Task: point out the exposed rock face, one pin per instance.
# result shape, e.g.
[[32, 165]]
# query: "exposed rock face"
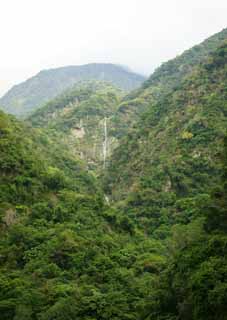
[[84, 119], [10, 217], [78, 132]]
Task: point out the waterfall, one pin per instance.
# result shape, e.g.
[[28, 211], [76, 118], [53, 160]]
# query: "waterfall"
[[106, 198], [105, 143]]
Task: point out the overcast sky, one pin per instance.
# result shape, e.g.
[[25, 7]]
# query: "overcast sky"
[[42, 34]]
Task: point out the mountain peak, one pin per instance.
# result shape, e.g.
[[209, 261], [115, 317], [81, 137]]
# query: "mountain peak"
[[29, 95]]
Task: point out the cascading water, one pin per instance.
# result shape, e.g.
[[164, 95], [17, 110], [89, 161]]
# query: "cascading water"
[[105, 143]]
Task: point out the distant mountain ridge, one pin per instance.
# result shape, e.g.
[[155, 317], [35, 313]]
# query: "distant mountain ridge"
[[26, 97]]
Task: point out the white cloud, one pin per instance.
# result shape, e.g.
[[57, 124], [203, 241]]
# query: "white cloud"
[[42, 34]]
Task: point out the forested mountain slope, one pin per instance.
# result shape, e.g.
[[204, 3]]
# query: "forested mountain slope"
[[171, 72], [172, 153], [31, 163], [93, 116], [162, 81], [26, 97], [65, 254], [193, 285], [82, 119], [169, 177], [147, 239]]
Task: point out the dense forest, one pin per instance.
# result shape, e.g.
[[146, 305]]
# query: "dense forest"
[[113, 204]]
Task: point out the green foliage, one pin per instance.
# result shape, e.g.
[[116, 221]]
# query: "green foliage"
[[64, 254], [77, 119], [172, 153], [169, 176], [193, 286], [28, 96], [154, 246]]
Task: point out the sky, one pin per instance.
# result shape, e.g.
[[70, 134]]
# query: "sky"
[[43, 34]]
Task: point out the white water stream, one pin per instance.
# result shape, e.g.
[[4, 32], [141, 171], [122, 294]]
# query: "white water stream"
[[105, 143]]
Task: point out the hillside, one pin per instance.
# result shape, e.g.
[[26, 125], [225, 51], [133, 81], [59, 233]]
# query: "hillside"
[[114, 207], [26, 97], [171, 72], [168, 175], [163, 80], [80, 116], [82, 119], [177, 136], [62, 249], [33, 168]]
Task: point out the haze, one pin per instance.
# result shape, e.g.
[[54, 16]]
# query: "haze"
[[141, 34]]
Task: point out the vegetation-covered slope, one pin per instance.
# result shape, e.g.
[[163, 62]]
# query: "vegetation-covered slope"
[[171, 72], [173, 151], [82, 119], [193, 286], [64, 254], [169, 177], [93, 116], [33, 168], [26, 97], [159, 251], [162, 81]]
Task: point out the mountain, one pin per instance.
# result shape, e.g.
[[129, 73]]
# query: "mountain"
[[144, 234], [163, 80], [26, 97], [63, 251], [32, 167], [168, 175], [178, 136], [82, 118], [94, 117], [170, 73]]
